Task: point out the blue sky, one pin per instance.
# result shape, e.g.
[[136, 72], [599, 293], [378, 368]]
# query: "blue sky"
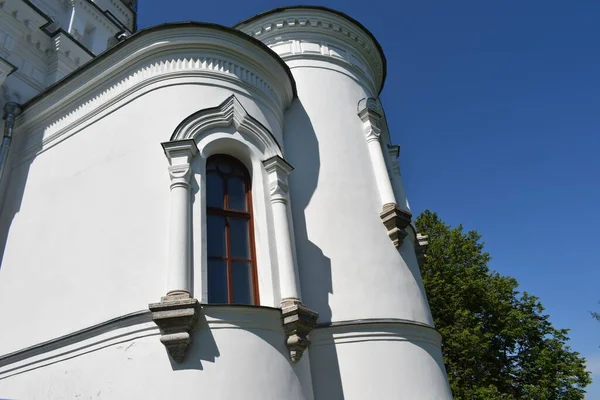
[[496, 106]]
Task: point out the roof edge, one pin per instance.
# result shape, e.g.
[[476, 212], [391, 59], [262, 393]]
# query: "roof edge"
[[332, 11], [157, 28]]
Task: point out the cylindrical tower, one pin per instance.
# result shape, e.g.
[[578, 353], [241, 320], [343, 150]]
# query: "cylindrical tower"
[[354, 245]]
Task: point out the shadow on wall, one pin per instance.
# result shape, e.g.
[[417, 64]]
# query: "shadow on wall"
[[302, 152], [13, 183], [203, 347], [262, 322]]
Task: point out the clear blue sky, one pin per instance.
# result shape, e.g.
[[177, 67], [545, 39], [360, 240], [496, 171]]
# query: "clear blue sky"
[[496, 105]]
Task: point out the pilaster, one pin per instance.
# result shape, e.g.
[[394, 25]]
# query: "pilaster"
[[393, 217], [177, 312], [298, 320]]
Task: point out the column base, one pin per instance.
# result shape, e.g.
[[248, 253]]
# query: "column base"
[[298, 321], [395, 221], [176, 315]]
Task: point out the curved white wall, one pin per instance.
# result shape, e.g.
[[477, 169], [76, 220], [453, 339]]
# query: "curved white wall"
[[237, 352], [376, 336], [86, 222]]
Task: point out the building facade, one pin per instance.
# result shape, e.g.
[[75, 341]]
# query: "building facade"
[[197, 210]]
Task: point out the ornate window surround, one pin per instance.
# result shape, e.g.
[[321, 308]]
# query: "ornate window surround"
[[229, 129]]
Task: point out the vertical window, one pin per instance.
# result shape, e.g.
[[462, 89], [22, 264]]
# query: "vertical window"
[[230, 239]]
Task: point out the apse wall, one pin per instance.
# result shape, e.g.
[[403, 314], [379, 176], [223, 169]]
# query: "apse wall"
[[375, 334]]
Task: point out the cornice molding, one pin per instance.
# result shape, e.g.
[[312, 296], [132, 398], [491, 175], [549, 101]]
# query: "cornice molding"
[[114, 332], [388, 329], [317, 32], [165, 54], [229, 113]]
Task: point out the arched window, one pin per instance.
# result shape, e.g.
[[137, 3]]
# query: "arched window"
[[230, 239]]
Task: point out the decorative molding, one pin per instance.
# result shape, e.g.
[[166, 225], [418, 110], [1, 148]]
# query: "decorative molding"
[[298, 322], [369, 112], [421, 245], [6, 69], [315, 32], [229, 113], [142, 78], [176, 316], [395, 221], [113, 332], [180, 154], [98, 15], [278, 169], [320, 49], [374, 329]]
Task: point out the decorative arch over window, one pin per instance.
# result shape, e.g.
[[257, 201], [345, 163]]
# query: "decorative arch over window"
[[227, 254], [230, 112], [232, 277]]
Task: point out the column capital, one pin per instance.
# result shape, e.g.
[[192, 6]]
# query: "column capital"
[[180, 154], [180, 151], [278, 169], [369, 111]]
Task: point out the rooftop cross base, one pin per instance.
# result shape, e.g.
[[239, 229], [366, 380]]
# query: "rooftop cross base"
[[395, 221], [176, 316], [298, 322]]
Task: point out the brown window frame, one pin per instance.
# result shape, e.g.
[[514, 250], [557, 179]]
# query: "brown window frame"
[[226, 212]]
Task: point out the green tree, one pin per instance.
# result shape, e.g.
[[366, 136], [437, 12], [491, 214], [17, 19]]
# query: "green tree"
[[497, 341]]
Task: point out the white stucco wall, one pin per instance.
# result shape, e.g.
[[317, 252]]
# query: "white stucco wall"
[[89, 219], [348, 266], [376, 336], [237, 352], [85, 226]]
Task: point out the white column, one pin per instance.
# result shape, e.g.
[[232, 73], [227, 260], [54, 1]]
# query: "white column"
[[180, 154], [394, 218], [370, 114], [278, 171]]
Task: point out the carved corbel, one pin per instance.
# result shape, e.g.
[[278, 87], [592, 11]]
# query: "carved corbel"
[[176, 316], [298, 322], [395, 220]]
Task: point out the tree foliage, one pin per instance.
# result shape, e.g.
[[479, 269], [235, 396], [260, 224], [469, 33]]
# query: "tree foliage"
[[497, 341]]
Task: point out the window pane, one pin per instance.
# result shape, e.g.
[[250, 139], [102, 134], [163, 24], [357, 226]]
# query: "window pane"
[[217, 281], [225, 166], [211, 165], [215, 240], [242, 283], [236, 189], [238, 238], [214, 190]]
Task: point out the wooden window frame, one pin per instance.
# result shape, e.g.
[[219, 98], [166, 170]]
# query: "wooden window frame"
[[226, 212]]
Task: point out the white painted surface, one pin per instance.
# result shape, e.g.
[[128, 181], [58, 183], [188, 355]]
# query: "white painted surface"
[[236, 353], [85, 225]]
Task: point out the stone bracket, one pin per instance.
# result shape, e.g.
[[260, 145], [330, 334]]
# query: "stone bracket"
[[176, 316], [298, 322], [395, 221]]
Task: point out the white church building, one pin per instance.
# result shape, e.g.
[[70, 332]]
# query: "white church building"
[[197, 211]]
